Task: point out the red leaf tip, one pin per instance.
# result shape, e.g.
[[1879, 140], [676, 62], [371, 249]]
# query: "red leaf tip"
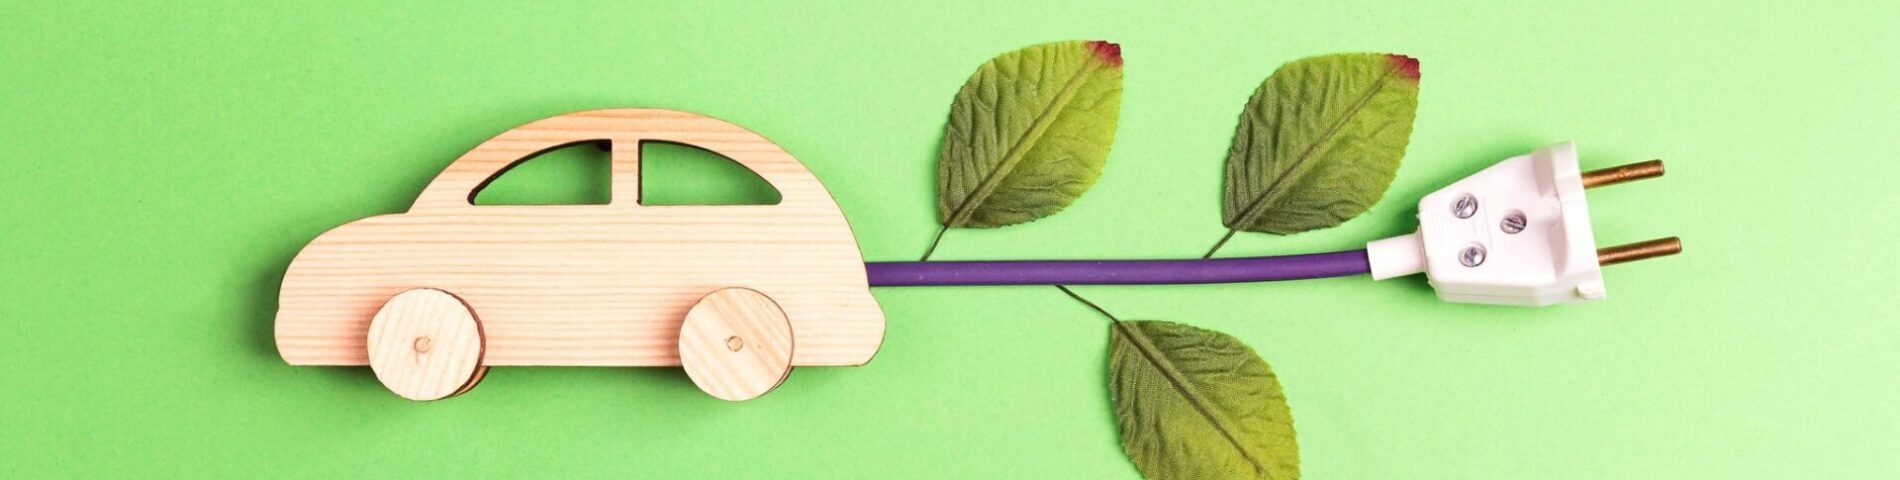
[[1109, 52], [1406, 66]]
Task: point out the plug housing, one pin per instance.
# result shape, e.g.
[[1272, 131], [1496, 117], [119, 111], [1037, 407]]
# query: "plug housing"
[[1516, 233]]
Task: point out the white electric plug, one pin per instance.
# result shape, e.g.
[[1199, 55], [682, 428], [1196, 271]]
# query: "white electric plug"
[[1517, 233]]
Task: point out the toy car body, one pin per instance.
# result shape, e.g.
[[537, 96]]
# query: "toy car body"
[[586, 285]]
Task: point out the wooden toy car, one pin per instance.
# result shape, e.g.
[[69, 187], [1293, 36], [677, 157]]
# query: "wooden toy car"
[[737, 295]]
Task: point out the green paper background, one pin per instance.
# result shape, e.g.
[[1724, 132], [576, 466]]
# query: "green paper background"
[[163, 162]]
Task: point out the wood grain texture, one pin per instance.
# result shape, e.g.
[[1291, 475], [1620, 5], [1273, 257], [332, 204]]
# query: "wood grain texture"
[[590, 285], [425, 344], [736, 344]]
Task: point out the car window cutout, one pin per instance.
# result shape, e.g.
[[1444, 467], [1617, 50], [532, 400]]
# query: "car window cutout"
[[572, 174], [679, 174]]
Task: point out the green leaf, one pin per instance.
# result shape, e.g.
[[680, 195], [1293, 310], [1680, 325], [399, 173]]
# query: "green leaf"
[[1029, 133], [1198, 404], [1319, 142]]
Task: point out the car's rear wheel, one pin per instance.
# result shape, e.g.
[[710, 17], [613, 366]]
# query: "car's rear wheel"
[[426, 344], [736, 344]]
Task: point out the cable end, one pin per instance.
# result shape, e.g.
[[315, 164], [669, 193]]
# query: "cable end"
[[1397, 256]]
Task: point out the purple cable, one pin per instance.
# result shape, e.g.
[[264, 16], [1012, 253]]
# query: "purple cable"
[[1118, 272]]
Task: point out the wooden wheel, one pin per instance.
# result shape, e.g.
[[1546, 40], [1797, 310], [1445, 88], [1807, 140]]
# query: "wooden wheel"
[[425, 344], [736, 344]]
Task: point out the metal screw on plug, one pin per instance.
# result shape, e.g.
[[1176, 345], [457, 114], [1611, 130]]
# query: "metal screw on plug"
[[1514, 222], [1472, 256], [1465, 206]]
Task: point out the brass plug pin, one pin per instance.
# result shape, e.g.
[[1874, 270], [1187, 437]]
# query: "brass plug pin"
[[1661, 247], [1622, 173]]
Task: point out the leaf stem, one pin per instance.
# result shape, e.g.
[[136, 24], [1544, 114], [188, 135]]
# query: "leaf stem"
[[1098, 308], [1222, 242], [934, 242]]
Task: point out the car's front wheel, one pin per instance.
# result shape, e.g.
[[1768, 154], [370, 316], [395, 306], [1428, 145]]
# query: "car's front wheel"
[[426, 344]]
